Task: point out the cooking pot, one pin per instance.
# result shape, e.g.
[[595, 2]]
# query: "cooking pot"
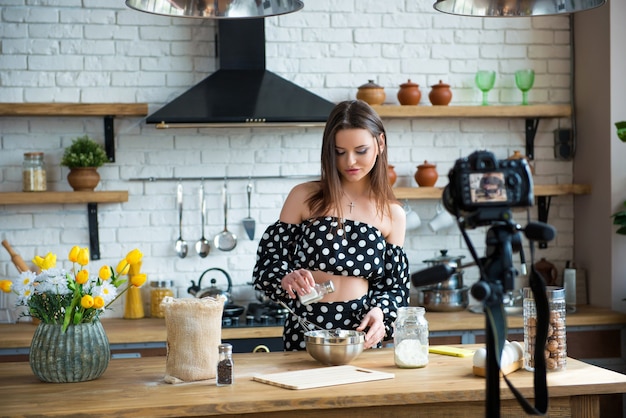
[[444, 300], [212, 291], [231, 310], [456, 280]]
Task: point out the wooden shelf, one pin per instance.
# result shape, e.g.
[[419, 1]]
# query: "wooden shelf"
[[27, 198], [108, 111], [541, 190], [532, 114], [90, 198], [73, 109], [524, 112]]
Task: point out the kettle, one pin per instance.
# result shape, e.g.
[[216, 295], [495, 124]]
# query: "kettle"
[[212, 291]]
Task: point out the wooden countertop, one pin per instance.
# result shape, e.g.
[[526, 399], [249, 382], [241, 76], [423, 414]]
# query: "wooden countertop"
[[135, 387], [125, 331]]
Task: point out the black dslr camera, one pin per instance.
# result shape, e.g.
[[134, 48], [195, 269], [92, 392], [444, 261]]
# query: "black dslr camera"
[[483, 189]]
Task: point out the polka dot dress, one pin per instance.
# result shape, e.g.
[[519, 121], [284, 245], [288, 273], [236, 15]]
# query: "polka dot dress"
[[351, 248]]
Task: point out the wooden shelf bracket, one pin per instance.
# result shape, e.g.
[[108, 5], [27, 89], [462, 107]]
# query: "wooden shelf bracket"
[[531, 131]]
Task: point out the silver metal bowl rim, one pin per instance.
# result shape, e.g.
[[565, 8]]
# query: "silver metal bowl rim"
[[324, 337], [446, 291]]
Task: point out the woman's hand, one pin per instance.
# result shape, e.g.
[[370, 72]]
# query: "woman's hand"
[[374, 320], [298, 282]]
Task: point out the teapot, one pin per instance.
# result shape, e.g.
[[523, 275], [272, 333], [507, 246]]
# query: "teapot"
[[212, 291]]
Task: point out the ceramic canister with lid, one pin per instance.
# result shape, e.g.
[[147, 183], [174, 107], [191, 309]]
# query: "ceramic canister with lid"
[[409, 94], [426, 174], [440, 94], [556, 344], [371, 93], [410, 338]]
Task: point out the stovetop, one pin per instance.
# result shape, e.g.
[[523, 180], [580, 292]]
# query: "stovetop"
[[266, 314]]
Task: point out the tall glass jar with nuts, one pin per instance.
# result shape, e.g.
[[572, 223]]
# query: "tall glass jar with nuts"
[[34, 172], [556, 346]]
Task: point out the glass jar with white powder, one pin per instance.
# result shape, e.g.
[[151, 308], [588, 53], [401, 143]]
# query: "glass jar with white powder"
[[410, 338], [317, 292]]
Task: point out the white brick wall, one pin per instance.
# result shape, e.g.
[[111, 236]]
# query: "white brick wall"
[[93, 51]]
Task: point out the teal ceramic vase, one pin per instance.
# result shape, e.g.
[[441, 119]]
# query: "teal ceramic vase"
[[81, 353]]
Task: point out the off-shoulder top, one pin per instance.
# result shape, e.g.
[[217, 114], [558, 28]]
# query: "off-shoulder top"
[[346, 248]]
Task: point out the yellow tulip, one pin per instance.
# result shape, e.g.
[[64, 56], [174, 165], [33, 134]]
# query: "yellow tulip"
[[47, 262], [73, 256], [138, 280], [83, 256], [134, 256], [122, 267], [98, 302], [105, 272], [82, 276], [6, 285], [87, 301]]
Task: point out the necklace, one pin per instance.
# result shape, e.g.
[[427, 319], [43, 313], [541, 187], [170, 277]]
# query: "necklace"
[[351, 205]]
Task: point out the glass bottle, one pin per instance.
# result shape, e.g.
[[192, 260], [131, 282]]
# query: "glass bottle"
[[556, 345], [317, 293], [225, 365], [33, 172], [410, 338], [159, 289]]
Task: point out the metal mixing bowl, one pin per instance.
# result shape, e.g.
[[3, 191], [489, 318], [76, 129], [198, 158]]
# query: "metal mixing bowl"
[[334, 347]]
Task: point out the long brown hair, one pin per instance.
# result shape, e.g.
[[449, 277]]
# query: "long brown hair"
[[351, 114]]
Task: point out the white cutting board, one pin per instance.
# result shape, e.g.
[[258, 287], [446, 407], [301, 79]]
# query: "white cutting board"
[[325, 376]]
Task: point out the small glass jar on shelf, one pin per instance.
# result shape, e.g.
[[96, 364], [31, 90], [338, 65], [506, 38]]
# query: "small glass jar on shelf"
[[34, 172]]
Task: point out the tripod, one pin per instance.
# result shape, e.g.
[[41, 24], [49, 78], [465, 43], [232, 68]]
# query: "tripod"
[[502, 239], [497, 278]]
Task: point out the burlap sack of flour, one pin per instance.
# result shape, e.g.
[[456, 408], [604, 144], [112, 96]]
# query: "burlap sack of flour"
[[194, 332]]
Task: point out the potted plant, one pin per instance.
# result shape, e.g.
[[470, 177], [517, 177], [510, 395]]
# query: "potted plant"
[[83, 158], [621, 130], [619, 217]]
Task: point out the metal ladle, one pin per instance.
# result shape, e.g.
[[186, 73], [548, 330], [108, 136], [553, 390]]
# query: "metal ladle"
[[202, 246], [225, 240], [181, 244]]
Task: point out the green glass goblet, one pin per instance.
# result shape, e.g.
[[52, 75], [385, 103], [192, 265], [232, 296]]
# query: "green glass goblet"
[[524, 80], [484, 81]]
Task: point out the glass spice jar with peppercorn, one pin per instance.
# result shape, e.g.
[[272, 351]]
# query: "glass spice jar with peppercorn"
[[225, 372]]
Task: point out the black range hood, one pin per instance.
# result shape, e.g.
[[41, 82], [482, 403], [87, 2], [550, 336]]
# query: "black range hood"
[[242, 91]]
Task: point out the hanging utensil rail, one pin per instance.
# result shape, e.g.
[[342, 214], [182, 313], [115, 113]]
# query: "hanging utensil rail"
[[294, 177]]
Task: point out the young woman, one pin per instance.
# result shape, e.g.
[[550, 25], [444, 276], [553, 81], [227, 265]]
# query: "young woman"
[[347, 227]]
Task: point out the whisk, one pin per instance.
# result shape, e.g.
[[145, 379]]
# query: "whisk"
[[304, 323]]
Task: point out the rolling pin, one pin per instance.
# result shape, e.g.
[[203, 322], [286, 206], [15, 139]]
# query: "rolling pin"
[[15, 257]]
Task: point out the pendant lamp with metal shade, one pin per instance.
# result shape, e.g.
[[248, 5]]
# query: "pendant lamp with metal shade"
[[217, 9], [514, 8]]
